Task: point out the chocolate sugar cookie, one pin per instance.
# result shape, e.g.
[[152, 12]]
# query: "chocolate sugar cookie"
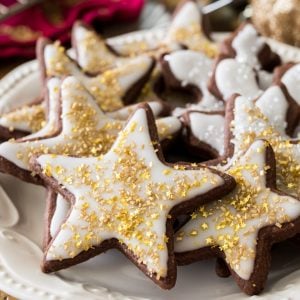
[[132, 208]]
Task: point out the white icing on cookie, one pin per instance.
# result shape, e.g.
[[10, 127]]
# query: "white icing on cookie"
[[92, 54], [291, 80], [193, 68], [274, 106], [265, 79], [208, 128], [233, 222], [86, 130], [135, 43], [247, 45], [190, 67], [188, 14], [132, 201], [234, 77], [168, 124], [60, 213]]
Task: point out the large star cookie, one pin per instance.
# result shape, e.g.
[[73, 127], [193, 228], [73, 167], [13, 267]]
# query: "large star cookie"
[[125, 199], [83, 130], [242, 226]]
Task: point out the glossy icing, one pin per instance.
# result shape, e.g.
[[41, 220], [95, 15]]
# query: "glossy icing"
[[234, 77], [265, 79], [17, 278], [291, 80], [27, 118], [61, 210], [247, 45], [208, 128], [274, 106]]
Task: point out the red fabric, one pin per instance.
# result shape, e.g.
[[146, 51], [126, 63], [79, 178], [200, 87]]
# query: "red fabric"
[[38, 21]]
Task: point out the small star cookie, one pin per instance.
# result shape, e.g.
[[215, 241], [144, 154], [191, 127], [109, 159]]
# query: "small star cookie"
[[241, 227], [112, 89]]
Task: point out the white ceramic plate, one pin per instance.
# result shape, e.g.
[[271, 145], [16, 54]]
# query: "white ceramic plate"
[[111, 275]]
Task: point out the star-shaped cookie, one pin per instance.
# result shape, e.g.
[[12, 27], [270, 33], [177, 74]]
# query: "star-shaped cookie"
[[83, 130], [125, 199], [241, 227], [112, 89]]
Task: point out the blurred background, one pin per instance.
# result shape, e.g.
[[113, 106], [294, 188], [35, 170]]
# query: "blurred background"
[[23, 21]]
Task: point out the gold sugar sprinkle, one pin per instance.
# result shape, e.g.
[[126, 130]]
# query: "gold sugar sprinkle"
[[32, 116]]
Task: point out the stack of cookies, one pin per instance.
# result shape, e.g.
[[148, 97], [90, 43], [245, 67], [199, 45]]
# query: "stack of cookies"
[[126, 168]]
